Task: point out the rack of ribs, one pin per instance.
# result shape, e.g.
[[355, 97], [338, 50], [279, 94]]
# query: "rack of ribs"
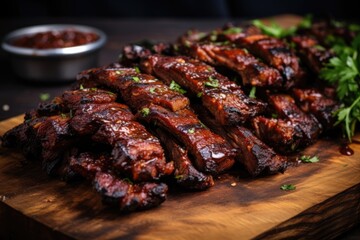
[[210, 152], [222, 97]]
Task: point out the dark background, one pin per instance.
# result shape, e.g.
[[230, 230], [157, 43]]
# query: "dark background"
[[340, 9]]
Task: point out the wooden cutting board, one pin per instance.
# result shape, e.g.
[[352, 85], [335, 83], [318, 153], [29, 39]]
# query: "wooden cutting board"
[[325, 204]]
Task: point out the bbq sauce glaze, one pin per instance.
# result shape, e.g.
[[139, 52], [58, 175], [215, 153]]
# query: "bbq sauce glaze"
[[55, 39], [346, 150]]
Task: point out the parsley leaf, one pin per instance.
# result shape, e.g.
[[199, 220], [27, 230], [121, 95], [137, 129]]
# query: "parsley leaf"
[[44, 96], [308, 159], [287, 187], [343, 72], [306, 22], [145, 111], [137, 70], [252, 92], [213, 82], [136, 79], [191, 130], [176, 87], [274, 30], [232, 30]]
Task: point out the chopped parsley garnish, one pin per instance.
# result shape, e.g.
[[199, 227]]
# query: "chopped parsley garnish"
[[136, 79], [199, 94], [137, 70], [176, 87], [252, 92], [306, 22], [319, 47], [81, 87], [287, 187], [191, 130], [309, 159], [63, 115], [179, 177], [354, 27], [145, 111], [213, 82], [343, 72], [152, 90], [233, 30], [274, 30], [274, 115], [44, 96]]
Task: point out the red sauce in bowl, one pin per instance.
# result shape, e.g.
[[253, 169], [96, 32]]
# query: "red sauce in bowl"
[[55, 39]]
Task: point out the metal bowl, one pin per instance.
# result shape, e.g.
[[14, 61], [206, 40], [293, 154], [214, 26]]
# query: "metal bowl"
[[57, 64]]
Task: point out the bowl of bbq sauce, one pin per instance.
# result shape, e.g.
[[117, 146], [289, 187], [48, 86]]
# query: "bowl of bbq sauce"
[[54, 52]]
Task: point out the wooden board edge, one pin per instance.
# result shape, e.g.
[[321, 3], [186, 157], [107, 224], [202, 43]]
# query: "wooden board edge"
[[326, 220], [16, 225]]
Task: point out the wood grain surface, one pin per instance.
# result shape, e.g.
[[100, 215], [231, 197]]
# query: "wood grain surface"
[[324, 205]]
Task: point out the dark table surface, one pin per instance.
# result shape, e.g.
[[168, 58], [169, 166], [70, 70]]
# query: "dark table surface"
[[18, 96]]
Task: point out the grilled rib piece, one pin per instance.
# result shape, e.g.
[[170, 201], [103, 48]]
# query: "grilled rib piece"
[[132, 54], [135, 88], [314, 102], [223, 98], [73, 99], [129, 197], [284, 105], [324, 31], [275, 53], [54, 135], [311, 52], [282, 135], [122, 193], [252, 153], [185, 173], [209, 163], [136, 153], [87, 164], [253, 72], [211, 153], [24, 136]]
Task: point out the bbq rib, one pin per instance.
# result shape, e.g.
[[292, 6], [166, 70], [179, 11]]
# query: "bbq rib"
[[127, 196], [212, 154], [252, 153], [222, 97], [185, 173], [90, 119], [311, 52], [314, 102], [253, 72]]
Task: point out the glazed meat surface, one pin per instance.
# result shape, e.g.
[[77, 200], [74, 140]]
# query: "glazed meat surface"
[[223, 98], [252, 153], [185, 173], [212, 154], [135, 88], [311, 52], [314, 102], [253, 72]]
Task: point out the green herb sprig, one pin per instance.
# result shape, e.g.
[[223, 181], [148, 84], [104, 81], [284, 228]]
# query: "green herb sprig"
[[309, 159], [213, 82], [274, 29], [343, 72], [176, 87], [287, 187]]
